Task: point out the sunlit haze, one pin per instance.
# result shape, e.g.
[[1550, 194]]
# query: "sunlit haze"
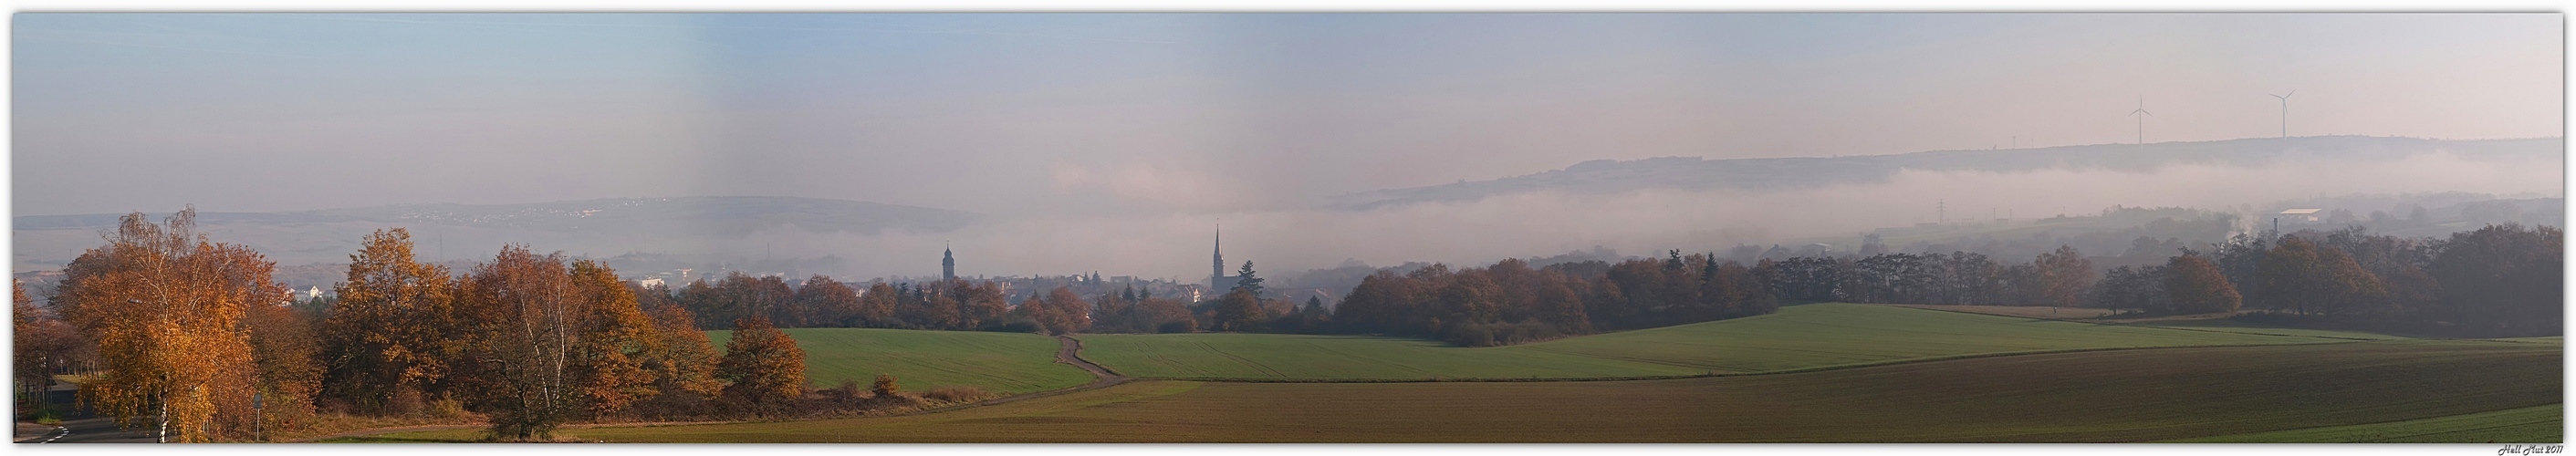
[[1113, 142]]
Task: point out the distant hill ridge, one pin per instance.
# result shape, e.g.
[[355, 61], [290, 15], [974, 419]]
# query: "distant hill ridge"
[[1616, 176], [695, 214]]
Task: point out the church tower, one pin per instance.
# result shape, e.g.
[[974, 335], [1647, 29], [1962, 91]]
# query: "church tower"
[[947, 264], [1217, 280]]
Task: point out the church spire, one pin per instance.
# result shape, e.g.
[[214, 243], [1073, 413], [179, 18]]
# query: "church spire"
[[1217, 272], [947, 263]]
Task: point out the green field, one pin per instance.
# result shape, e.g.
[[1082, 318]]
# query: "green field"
[[999, 362], [1292, 356], [2099, 396], [2543, 424], [1798, 337], [2229, 325]]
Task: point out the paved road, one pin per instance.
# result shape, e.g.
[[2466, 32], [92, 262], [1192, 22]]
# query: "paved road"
[[81, 426]]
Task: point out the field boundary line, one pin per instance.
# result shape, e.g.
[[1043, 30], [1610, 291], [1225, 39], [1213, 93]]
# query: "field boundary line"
[[1715, 374], [1935, 307]]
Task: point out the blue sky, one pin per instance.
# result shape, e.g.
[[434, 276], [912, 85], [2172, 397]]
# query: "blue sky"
[[1166, 113]]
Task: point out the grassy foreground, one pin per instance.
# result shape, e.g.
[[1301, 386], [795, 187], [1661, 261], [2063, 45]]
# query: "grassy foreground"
[[1008, 363], [2543, 424], [1798, 337], [2103, 396]]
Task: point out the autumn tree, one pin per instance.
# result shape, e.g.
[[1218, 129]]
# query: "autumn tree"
[[41, 345], [608, 341], [766, 368], [979, 304], [680, 359], [166, 307], [2063, 276], [740, 296], [1166, 315], [1239, 311], [549, 343], [2505, 277], [1060, 311], [884, 386], [828, 303], [2312, 280], [877, 307], [389, 334], [2196, 286], [2136, 288]]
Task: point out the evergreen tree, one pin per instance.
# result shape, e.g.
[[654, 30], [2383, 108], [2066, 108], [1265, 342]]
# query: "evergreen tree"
[[1248, 282]]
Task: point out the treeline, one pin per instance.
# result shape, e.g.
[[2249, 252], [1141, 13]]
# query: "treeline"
[[821, 302], [1510, 303], [2056, 278], [188, 337], [2497, 281]]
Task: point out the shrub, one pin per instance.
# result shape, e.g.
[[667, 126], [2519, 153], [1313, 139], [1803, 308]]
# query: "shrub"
[[848, 391], [956, 394], [884, 386]]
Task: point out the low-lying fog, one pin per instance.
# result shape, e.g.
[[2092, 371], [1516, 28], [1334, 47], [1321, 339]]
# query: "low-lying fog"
[[1550, 222]]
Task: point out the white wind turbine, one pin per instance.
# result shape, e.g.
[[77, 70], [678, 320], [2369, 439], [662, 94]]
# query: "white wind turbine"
[[2285, 111], [2142, 115]]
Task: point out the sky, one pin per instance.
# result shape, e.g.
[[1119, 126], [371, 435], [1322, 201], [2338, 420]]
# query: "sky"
[[1064, 118], [1015, 113]]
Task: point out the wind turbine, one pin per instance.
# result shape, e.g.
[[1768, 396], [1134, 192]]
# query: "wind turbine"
[[2142, 118], [2285, 111]]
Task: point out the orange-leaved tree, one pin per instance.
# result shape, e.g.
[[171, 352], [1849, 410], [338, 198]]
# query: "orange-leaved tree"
[[2063, 276], [828, 303], [609, 341], [1064, 312], [42, 345], [2196, 286], [391, 332], [166, 305], [680, 358], [765, 367], [547, 343]]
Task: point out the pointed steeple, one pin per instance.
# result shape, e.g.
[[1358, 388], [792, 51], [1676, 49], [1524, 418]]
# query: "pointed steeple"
[[947, 263], [1217, 271]]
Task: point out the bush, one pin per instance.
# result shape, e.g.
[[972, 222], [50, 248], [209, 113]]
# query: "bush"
[[885, 386], [446, 408], [848, 391], [956, 394]]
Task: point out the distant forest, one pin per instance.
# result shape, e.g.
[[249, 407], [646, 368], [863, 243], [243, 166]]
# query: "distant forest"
[[2496, 281]]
